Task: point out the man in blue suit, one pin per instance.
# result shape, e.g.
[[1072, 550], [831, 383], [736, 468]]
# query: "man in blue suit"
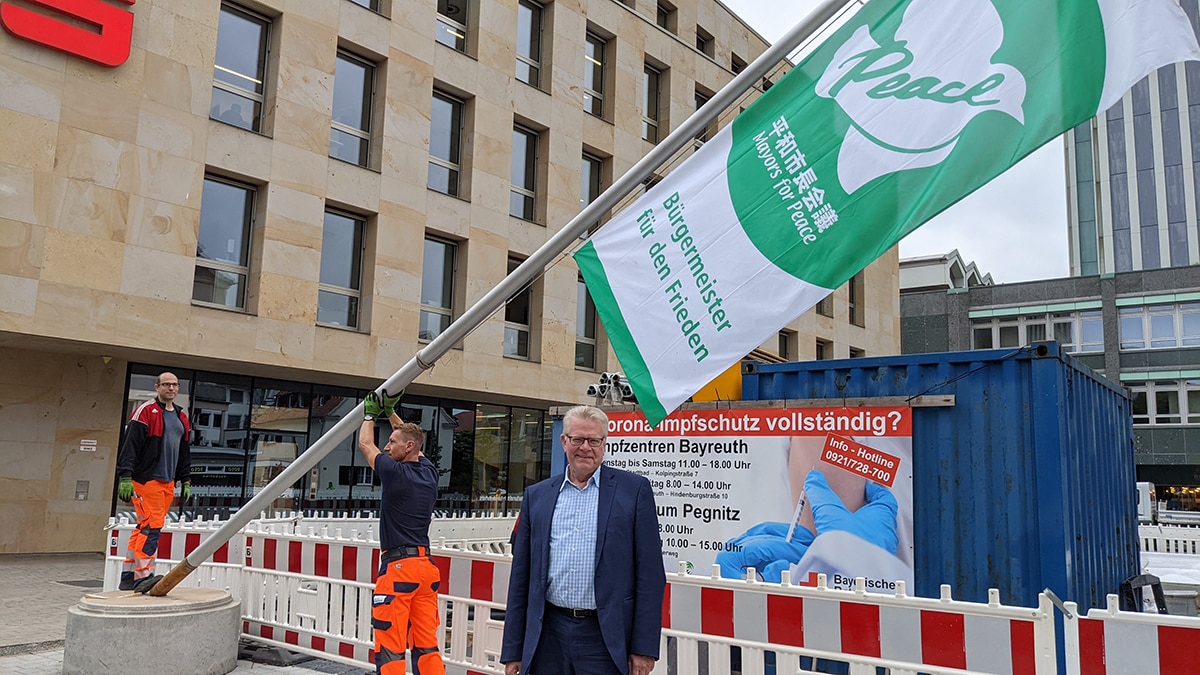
[[586, 591]]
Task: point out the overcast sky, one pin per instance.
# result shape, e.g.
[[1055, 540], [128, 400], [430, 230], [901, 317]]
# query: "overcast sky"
[[1014, 227]]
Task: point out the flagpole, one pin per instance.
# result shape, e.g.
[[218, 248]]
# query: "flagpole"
[[525, 273]]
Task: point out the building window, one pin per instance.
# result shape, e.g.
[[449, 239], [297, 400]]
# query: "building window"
[[766, 84], [1091, 331], [223, 244], [585, 327], [1189, 325], [856, 353], [437, 288], [736, 64], [340, 291], [855, 287], [593, 74], [1165, 402], [445, 144], [704, 42], [372, 5], [825, 306], [651, 83], [665, 16], [787, 345], [589, 179], [1160, 326], [353, 95], [1081, 331], [523, 197], [452, 24], [702, 98], [239, 71], [529, 42], [824, 350], [981, 335], [517, 315]]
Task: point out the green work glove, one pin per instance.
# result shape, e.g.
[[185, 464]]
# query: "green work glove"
[[391, 403], [373, 407], [187, 493], [125, 489]]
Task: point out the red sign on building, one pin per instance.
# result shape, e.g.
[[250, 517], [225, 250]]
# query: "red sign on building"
[[94, 30]]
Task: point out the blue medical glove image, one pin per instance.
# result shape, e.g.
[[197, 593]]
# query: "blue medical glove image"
[[765, 548], [874, 522]]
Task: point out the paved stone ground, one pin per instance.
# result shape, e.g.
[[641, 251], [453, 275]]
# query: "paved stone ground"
[[37, 590]]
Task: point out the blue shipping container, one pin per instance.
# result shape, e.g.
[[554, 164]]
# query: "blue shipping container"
[[1026, 482]]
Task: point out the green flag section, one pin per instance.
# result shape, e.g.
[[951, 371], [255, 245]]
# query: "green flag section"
[[908, 108]]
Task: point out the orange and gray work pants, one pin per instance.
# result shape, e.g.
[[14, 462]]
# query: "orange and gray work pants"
[[151, 501], [405, 613]]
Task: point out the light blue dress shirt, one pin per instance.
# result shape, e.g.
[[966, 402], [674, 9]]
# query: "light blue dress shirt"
[[573, 545]]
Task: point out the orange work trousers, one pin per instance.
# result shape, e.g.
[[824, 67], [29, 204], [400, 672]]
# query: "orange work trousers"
[[151, 501], [405, 615]]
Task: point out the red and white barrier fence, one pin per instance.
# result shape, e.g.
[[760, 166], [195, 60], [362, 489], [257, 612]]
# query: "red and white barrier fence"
[[1112, 642], [865, 629], [308, 588]]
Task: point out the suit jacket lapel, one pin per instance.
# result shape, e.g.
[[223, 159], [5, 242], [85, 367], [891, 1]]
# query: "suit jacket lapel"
[[608, 491]]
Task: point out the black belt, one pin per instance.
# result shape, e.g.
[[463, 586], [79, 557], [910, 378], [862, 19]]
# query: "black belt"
[[576, 613], [402, 552]]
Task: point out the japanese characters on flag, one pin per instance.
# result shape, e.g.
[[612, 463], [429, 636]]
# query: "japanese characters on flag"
[[909, 107]]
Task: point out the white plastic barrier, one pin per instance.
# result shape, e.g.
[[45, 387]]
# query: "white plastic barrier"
[[1170, 539], [866, 630], [177, 540], [1111, 642], [310, 592]]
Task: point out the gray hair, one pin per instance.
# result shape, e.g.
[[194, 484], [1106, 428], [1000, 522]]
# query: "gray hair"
[[585, 412]]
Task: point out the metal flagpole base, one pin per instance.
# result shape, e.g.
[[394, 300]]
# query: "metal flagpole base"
[[193, 630]]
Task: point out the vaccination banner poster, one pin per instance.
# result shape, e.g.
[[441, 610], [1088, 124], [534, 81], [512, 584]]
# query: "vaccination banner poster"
[[806, 490]]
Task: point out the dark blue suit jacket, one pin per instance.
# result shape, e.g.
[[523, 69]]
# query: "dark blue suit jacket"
[[629, 581]]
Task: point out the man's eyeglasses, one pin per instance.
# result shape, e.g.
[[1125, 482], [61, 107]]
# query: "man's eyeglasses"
[[578, 441], [169, 384]]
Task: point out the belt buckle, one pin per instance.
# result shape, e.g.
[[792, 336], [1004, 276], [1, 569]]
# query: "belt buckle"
[[581, 613]]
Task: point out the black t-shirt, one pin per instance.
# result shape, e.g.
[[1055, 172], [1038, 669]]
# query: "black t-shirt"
[[409, 492]]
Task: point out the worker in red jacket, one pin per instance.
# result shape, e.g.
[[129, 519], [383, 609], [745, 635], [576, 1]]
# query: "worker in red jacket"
[[153, 458]]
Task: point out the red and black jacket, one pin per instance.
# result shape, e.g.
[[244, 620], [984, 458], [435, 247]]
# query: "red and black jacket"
[[143, 443]]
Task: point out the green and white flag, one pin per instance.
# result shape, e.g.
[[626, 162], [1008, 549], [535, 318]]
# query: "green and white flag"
[[909, 107]]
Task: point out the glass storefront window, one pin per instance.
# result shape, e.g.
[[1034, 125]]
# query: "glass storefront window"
[[335, 483], [247, 430], [221, 423]]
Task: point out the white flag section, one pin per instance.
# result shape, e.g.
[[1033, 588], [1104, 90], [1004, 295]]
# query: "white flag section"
[[909, 107]]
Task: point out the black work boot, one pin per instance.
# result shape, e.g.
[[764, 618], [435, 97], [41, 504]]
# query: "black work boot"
[[146, 584]]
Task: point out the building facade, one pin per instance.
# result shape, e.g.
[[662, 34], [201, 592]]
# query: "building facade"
[[1133, 172], [281, 202], [1139, 328], [944, 272]]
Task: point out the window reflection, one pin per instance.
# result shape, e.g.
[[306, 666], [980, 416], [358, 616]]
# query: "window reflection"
[[246, 431], [221, 420]]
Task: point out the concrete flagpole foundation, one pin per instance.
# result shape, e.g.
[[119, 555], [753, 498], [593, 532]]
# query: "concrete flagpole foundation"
[[192, 630]]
